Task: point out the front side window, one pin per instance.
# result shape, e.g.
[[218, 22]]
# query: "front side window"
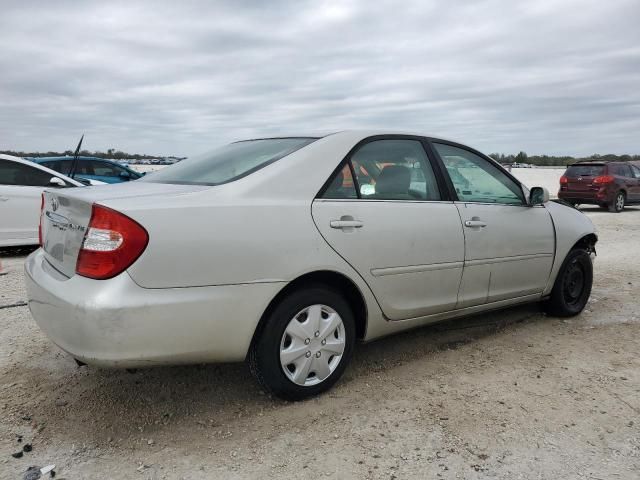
[[228, 163], [635, 170], [104, 169], [475, 179], [14, 173]]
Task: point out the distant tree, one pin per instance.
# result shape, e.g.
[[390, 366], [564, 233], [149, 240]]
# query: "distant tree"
[[521, 157]]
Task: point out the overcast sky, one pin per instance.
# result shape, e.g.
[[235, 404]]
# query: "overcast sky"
[[555, 76]]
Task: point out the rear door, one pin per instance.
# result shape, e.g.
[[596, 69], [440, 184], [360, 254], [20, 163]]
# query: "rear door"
[[509, 246], [385, 214], [580, 179]]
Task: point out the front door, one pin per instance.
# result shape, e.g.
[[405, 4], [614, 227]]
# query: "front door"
[[391, 224], [20, 202], [509, 246]]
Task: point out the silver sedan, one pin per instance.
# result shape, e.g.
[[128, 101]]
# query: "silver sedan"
[[287, 251]]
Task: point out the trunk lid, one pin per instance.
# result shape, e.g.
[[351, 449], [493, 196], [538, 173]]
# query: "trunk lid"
[[67, 213], [580, 177]]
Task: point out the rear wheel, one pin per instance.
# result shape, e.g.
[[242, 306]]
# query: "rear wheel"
[[618, 203], [305, 344], [572, 288]]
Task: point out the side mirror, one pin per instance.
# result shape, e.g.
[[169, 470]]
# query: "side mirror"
[[57, 182], [538, 196]]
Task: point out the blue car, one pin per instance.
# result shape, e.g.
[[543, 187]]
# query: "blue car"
[[90, 168]]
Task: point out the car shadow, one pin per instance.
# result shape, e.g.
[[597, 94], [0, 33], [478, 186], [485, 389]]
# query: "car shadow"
[[22, 251], [595, 208], [117, 402]]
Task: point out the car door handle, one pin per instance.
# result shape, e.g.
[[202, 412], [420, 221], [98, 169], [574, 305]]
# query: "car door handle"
[[4, 199], [474, 223], [346, 224]]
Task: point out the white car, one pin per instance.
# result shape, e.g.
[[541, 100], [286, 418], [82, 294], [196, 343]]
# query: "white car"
[[21, 185], [286, 251]]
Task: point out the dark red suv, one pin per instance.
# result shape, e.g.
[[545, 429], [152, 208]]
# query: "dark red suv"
[[611, 185]]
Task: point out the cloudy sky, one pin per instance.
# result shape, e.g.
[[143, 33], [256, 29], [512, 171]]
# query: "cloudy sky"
[[553, 76]]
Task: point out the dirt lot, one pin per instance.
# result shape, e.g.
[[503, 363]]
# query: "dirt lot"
[[513, 394]]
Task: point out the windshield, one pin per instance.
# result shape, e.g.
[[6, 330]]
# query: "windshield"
[[228, 163], [584, 170]]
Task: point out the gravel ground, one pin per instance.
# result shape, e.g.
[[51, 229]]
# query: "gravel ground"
[[513, 394]]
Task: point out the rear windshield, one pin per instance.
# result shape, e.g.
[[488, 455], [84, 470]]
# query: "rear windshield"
[[584, 170], [228, 163]]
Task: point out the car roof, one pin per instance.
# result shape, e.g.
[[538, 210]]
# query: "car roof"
[[599, 162], [60, 159], [363, 133]]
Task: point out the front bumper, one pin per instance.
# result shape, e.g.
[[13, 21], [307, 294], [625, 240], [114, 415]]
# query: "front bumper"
[[117, 323]]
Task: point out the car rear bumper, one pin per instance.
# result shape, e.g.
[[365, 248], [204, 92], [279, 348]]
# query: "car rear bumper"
[[588, 197], [117, 323]]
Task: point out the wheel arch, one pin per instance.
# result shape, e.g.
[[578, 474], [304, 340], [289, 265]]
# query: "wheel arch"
[[587, 242], [338, 281]]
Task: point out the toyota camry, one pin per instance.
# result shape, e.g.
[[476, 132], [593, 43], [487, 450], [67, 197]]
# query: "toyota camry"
[[285, 252]]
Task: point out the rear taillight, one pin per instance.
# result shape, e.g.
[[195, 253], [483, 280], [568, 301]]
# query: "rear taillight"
[[111, 244], [603, 179], [40, 223], [563, 180]]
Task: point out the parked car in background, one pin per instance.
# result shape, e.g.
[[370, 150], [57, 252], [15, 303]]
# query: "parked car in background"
[[21, 185], [286, 251], [92, 168], [610, 185]]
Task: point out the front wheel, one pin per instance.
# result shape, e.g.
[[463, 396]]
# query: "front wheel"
[[572, 288], [305, 344]]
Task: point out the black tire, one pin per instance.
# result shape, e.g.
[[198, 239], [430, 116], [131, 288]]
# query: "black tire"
[[264, 354], [617, 205], [572, 287]]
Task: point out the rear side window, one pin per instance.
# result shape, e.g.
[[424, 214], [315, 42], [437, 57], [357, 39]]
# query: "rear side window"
[[14, 173], [584, 171], [61, 166], [342, 185], [621, 170], [228, 163]]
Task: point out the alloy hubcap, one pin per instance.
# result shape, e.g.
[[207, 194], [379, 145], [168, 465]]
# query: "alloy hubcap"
[[620, 202], [312, 345]]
